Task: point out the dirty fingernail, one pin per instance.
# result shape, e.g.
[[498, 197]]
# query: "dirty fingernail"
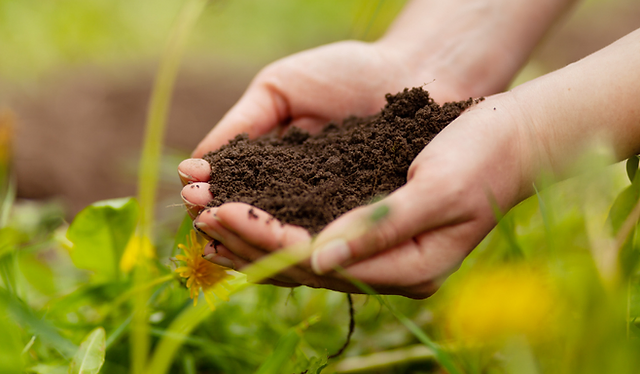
[[330, 255], [185, 178], [219, 260], [205, 229], [186, 202]]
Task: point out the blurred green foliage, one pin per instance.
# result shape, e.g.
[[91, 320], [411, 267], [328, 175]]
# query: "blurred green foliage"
[[38, 37]]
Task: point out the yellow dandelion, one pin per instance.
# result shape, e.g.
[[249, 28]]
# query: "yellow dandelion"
[[491, 305], [138, 248], [201, 274]]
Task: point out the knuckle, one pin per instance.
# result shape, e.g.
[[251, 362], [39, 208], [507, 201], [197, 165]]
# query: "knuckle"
[[380, 237]]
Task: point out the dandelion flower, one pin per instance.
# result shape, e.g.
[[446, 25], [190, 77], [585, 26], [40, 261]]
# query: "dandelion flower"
[[201, 274], [491, 305]]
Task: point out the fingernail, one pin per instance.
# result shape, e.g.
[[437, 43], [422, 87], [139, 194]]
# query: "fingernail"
[[186, 202], [330, 255], [219, 260], [185, 178], [205, 229], [201, 227]]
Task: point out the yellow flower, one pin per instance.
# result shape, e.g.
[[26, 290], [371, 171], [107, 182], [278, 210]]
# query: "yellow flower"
[[202, 274], [489, 306], [137, 249]]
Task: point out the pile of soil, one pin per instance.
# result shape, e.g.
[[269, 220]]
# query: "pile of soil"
[[310, 180]]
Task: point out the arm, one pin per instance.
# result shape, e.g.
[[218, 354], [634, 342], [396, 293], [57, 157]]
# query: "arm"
[[476, 46]]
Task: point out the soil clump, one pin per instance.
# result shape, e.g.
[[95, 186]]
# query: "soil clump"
[[310, 180]]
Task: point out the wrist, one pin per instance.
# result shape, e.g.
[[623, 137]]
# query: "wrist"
[[475, 46]]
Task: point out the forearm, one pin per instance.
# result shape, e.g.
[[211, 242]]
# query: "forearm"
[[595, 100], [475, 45]]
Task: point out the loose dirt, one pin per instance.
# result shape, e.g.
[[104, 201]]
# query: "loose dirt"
[[310, 180]]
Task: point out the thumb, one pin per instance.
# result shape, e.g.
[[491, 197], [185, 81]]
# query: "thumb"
[[260, 109], [368, 230]]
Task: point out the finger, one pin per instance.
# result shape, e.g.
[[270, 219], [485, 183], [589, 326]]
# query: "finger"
[[417, 267], [194, 170], [259, 228], [414, 208], [311, 124], [196, 196], [260, 109], [220, 255], [209, 222]]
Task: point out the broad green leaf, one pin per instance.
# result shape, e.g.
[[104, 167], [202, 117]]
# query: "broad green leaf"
[[49, 369], [100, 234], [90, 355], [37, 273]]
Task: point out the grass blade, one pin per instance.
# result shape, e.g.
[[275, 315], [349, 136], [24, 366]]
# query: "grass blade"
[[149, 167]]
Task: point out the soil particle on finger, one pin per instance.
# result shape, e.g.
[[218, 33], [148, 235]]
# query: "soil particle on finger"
[[310, 180], [252, 214]]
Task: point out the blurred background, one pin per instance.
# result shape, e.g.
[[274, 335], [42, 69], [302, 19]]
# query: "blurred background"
[[77, 74]]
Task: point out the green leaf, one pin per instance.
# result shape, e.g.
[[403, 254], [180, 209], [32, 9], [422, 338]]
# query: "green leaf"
[[100, 234], [282, 353], [632, 167], [181, 235], [90, 355], [49, 369], [37, 273], [622, 207]]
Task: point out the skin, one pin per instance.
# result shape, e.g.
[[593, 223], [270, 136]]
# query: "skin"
[[494, 151]]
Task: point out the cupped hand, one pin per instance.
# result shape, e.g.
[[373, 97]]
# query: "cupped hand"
[[310, 88], [433, 222]]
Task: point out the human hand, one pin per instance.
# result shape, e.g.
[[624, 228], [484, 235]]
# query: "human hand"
[[311, 88], [433, 221]]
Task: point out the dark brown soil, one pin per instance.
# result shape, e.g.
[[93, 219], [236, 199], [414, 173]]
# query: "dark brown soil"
[[310, 180]]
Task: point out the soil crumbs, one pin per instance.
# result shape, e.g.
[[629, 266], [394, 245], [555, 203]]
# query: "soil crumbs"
[[310, 180]]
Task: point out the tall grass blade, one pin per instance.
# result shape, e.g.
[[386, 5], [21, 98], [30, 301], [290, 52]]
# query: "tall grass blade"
[[149, 166]]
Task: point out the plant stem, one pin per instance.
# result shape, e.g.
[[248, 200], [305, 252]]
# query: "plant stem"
[[159, 109], [150, 165], [177, 332]]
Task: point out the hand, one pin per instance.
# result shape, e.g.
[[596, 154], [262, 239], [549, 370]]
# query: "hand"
[[308, 90], [434, 221], [311, 88]]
